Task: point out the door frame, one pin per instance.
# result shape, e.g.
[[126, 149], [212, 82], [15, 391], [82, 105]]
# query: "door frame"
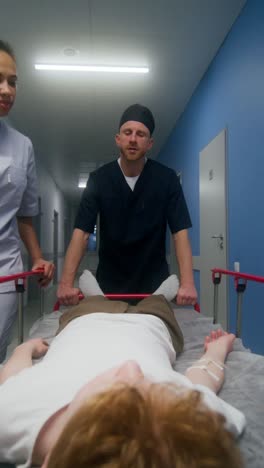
[[223, 288]]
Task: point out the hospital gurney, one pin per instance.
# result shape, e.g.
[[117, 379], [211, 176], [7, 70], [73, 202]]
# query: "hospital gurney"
[[20, 284], [243, 387], [244, 384]]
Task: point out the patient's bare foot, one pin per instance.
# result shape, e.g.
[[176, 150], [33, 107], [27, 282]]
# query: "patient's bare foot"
[[219, 339]]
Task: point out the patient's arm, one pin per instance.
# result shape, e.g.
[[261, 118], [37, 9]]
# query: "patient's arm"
[[209, 369], [22, 357]]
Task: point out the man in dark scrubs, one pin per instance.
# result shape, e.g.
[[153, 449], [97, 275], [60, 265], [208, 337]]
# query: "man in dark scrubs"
[[136, 198]]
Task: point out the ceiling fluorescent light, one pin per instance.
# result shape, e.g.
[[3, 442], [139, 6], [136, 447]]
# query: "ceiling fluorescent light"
[[91, 68], [83, 178], [82, 184]]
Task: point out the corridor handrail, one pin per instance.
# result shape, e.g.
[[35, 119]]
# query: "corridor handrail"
[[240, 288], [20, 289], [238, 275]]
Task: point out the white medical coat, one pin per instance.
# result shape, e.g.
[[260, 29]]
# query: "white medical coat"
[[18, 197]]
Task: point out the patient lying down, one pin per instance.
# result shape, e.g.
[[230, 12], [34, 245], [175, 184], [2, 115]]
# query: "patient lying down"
[[106, 395]]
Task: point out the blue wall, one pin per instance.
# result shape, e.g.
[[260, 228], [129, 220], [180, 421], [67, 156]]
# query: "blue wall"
[[231, 94]]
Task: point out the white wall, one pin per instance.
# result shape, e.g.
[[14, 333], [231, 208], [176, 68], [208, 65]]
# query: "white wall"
[[51, 199]]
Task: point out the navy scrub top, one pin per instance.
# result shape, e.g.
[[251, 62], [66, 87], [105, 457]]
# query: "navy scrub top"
[[132, 248]]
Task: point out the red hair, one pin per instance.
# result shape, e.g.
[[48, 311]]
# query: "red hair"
[[125, 428]]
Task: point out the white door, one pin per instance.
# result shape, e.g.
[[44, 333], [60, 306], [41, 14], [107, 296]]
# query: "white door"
[[213, 225]]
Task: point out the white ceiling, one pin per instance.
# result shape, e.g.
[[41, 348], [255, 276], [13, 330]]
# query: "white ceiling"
[[72, 119]]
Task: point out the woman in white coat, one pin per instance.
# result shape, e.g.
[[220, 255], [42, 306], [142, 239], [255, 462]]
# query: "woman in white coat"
[[18, 200]]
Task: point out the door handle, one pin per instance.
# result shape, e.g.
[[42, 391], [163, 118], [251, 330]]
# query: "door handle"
[[221, 240], [218, 236]]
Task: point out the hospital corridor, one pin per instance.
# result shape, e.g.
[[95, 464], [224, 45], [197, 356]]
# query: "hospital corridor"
[[131, 233]]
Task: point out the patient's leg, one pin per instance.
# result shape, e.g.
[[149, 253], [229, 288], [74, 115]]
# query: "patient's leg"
[[168, 288], [88, 284]]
